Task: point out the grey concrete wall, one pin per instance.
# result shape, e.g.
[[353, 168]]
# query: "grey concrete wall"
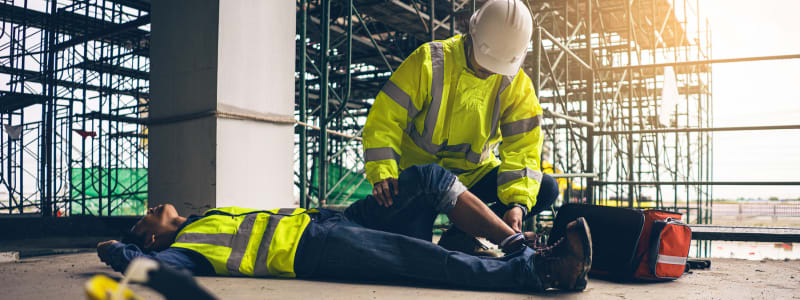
[[256, 75], [183, 76], [228, 55], [183, 56], [182, 167]]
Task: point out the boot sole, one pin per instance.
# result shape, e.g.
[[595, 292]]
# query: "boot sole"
[[580, 282]]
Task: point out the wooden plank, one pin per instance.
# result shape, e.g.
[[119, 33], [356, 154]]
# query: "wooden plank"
[[745, 233]]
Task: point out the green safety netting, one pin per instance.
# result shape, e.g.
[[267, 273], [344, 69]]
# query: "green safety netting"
[[353, 185], [127, 191]]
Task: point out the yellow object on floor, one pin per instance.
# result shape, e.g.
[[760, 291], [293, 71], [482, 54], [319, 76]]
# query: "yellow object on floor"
[[101, 287]]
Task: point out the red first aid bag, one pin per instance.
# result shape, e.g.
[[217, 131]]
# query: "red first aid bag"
[[627, 244], [663, 246]]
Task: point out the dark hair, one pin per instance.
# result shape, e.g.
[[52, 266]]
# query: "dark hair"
[[130, 237]]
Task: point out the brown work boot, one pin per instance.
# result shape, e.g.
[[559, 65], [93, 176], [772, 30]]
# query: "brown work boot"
[[457, 240], [565, 263]]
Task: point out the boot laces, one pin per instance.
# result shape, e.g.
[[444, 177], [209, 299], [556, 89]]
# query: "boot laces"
[[536, 241], [543, 249]]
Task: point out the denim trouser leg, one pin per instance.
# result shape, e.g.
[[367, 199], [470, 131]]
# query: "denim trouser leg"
[[354, 252], [486, 190], [393, 243], [425, 191]]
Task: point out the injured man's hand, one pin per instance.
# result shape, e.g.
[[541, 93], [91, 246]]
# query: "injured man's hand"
[[103, 249]]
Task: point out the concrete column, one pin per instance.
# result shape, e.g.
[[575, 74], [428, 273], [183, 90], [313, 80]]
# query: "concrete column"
[[209, 58]]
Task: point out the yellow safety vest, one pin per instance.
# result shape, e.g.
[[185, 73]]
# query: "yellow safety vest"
[[247, 242], [435, 110]]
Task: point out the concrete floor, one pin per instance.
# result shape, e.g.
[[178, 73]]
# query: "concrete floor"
[[63, 276]]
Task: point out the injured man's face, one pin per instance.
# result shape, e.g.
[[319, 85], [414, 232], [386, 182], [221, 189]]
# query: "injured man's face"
[[155, 231]]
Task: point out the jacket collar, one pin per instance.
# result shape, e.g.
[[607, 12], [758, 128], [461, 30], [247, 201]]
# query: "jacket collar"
[[460, 51]]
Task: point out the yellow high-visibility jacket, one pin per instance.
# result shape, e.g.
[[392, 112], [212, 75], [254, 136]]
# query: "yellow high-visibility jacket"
[[247, 242], [435, 110]]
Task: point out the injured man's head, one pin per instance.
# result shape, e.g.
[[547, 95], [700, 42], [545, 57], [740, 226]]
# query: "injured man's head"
[[155, 231]]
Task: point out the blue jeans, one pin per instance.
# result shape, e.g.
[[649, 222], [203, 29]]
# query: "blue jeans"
[[373, 242], [486, 190]]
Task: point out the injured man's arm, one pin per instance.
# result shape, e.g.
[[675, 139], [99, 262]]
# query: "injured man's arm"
[[320, 243], [151, 237]]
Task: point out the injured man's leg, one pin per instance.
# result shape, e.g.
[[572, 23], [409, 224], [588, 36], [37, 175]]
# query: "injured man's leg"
[[425, 192], [320, 243], [428, 190]]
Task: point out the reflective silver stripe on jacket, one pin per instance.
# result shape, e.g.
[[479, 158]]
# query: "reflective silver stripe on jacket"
[[376, 154], [400, 97], [217, 239], [437, 86], [239, 245], [425, 140], [508, 176], [671, 260], [261, 268], [521, 126]]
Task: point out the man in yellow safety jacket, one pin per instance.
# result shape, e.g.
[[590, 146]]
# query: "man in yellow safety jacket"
[[451, 103]]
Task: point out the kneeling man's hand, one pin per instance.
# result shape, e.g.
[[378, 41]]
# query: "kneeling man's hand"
[[513, 218], [384, 190]]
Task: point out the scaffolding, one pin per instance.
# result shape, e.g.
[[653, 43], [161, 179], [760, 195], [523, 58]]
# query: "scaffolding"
[[74, 107], [599, 68], [626, 87], [582, 63]]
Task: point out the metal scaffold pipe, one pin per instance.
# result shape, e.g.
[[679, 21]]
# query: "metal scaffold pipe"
[[565, 49], [707, 62], [303, 109], [432, 14], [713, 129], [322, 162], [590, 106], [733, 183], [348, 71], [573, 175], [567, 118]]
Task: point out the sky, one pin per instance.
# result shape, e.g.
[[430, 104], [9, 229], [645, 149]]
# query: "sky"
[[755, 93]]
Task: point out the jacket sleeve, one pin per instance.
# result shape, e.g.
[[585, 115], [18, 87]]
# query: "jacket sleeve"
[[519, 175], [400, 100], [120, 255]]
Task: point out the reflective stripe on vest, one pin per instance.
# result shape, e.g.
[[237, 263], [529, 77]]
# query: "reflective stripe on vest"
[[509, 176], [214, 245], [424, 140], [266, 240], [218, 239], [239, 245]]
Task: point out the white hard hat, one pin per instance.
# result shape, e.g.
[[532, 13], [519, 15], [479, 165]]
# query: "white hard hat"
[[501, 31]]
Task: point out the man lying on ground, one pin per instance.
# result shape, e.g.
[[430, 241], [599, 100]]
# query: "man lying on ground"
[[368, 241]]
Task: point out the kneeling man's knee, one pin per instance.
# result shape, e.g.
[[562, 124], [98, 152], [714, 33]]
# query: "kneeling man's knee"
[[548, 189], [430, 178]]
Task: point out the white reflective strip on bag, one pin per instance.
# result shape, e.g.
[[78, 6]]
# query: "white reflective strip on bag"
[[672, 260]]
